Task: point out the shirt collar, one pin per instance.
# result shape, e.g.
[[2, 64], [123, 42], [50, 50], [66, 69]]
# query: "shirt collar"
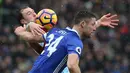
[[68, 28], [75, 32]]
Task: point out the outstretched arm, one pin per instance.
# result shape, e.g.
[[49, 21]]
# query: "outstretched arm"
[[28, 36]]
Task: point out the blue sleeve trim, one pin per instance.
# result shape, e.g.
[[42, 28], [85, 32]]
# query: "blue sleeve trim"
[[74, 53]]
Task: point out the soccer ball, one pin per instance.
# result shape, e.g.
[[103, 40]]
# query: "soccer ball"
[[46, 18]]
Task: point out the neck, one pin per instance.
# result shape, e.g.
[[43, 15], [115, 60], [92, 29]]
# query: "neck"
[[75, 27]]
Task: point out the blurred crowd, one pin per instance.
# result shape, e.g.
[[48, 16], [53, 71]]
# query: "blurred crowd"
[[108, 51]]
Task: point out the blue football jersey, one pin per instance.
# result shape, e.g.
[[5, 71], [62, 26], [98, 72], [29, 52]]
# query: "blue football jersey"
[[59, 43]]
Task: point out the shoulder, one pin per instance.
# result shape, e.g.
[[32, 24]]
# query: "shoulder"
[[73, 38], [73, 35], [73, 43]]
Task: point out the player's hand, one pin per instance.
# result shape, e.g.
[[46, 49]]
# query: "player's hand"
[[36, 29], [109, 20], [19, 29]]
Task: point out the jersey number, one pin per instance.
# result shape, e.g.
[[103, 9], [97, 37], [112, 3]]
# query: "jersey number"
[[52, 45]]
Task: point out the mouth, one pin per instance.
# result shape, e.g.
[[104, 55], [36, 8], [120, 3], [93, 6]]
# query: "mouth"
[[93, 32], [36, 18]]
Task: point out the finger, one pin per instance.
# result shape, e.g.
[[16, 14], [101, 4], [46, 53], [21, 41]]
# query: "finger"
[[41, 26], [24, 26], [108, 15], [37, 33], [38, 30], [113, 16], [114, 23], [33, 32], [116, 20], [110, 26], [41, 31]]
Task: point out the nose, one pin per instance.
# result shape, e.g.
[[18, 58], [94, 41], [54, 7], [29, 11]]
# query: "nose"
[[34, 14], [94, 28]]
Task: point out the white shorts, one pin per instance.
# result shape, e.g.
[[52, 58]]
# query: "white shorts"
[[66, 70]]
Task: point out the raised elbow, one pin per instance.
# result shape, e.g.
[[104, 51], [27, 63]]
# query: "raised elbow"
[[16, 32]]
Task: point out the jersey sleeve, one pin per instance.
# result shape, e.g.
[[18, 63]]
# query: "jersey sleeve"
[[74, 45]]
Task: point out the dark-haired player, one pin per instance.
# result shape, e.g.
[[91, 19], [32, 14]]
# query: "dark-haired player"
[[26, 16]]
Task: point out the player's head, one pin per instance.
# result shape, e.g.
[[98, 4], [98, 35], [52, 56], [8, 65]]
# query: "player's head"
[[26, 14], [85, 21]]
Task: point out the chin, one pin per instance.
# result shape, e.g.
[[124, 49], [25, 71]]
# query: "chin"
[[33, 20], [86, 36]]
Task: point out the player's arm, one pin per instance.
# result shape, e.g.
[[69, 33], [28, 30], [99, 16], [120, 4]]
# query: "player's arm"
[[74, 48], [35, 29], [107, 20], [28, 36], [73, 63]]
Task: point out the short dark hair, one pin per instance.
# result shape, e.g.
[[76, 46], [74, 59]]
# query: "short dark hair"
[[19, 14], [82, 15]]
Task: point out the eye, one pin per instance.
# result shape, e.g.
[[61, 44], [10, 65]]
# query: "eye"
[[93, 23], [28, 13], [33, 11]]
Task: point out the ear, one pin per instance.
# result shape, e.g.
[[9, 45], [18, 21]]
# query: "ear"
[[82, 24], [23, 21]]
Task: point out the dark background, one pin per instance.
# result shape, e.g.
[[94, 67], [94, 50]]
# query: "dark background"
[[107, 52]]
